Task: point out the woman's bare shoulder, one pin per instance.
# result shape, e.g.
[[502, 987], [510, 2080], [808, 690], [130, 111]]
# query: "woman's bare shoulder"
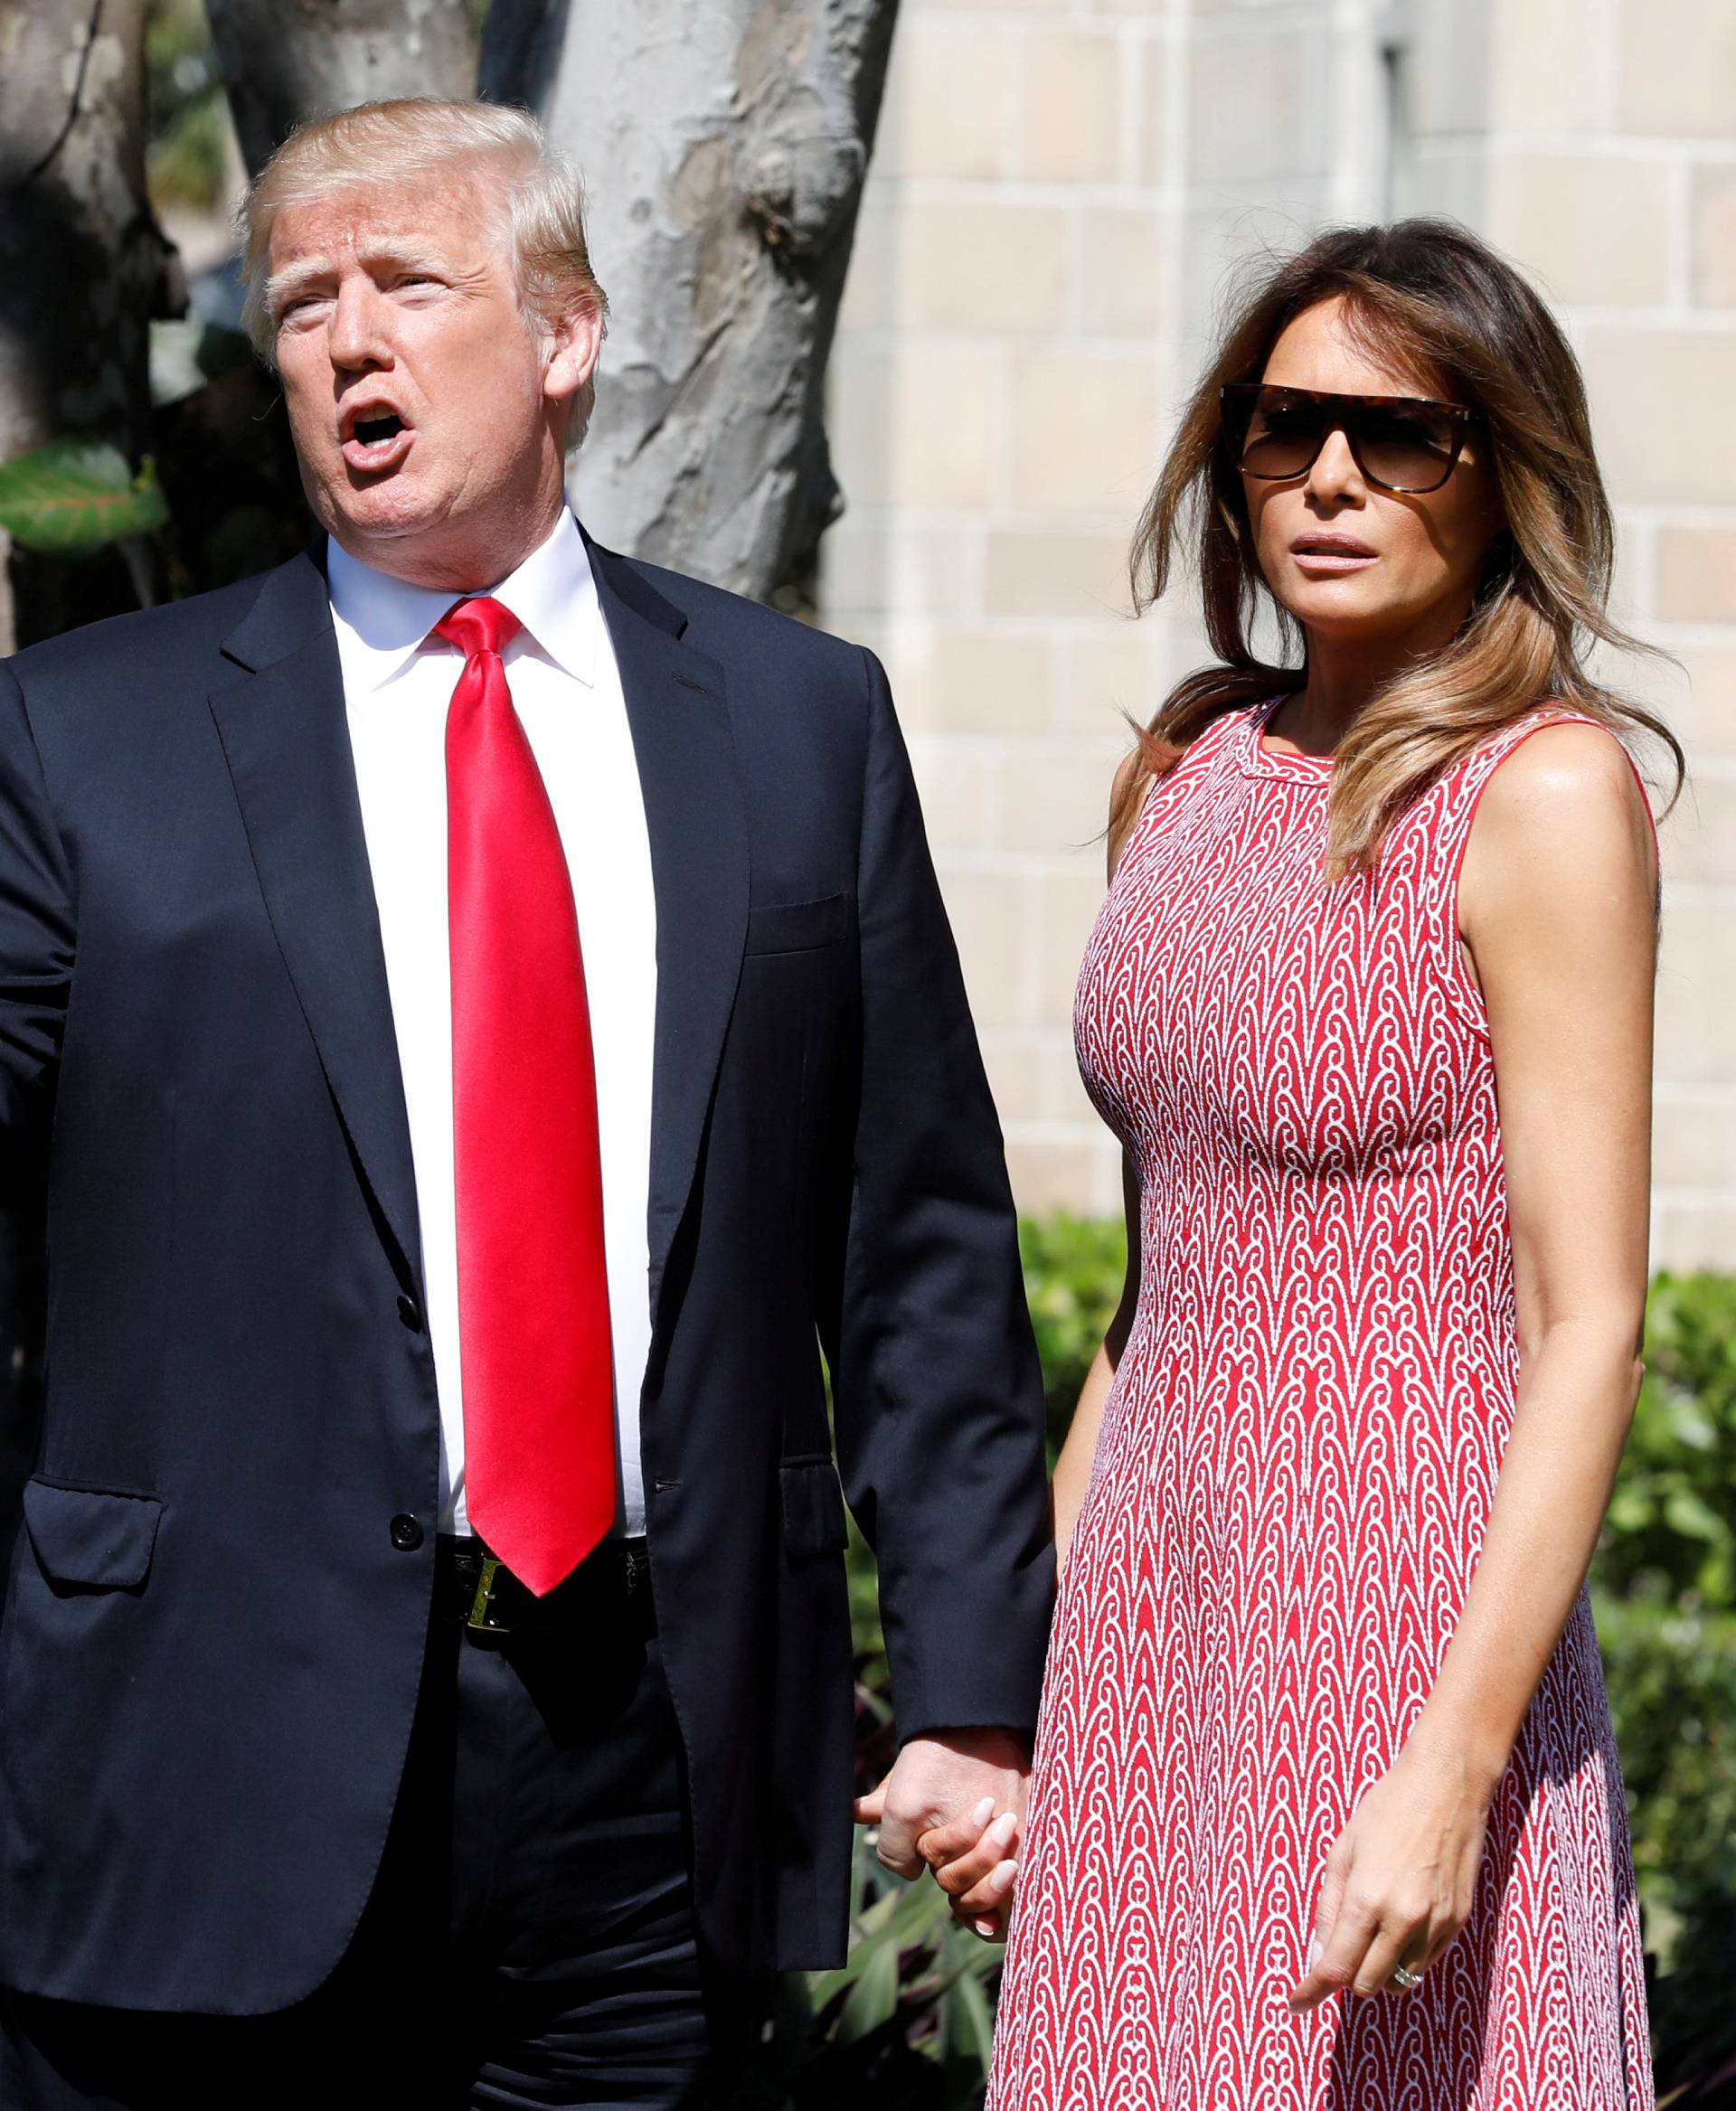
[[1565, 801], [1568, 775], [1565, 764]]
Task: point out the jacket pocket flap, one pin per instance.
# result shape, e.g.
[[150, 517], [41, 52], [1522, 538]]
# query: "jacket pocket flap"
[[812, 1505], [91, 1535], [792, 927]]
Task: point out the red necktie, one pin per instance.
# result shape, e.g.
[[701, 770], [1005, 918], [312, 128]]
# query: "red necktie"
[[539, 1415]]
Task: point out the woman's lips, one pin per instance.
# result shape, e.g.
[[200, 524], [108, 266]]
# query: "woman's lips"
[[1323, 559]]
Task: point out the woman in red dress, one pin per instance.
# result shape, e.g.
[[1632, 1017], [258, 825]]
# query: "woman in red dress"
[[1326, 1810]]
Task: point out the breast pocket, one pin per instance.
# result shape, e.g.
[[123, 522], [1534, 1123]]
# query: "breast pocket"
[[796, 926]]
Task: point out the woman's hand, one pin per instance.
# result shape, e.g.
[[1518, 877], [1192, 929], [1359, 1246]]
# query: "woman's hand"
[[974, 1863], [1401, 1876]]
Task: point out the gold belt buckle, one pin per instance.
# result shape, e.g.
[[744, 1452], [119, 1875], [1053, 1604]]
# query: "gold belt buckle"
[[482, 1605]]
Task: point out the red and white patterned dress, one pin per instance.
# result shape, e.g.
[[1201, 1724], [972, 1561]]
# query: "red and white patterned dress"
[[1291, 1491]]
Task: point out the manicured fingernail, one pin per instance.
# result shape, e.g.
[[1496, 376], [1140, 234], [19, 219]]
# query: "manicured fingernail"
[[986, 1929], [984, 1812], [1000, 1878], [1005, 1829]]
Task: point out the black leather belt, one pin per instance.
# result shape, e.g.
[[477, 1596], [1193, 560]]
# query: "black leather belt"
[[612, 1583]]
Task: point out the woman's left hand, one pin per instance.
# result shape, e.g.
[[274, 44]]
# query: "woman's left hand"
[[1401, 1876], [976, 1863]]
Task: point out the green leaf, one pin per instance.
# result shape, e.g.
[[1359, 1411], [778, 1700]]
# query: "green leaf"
[[872, 1932], [1688, 1516], [874, 1999], [923, 1914], [972, 2021], [73, 496], [1691, 1424], [1630, 1509]]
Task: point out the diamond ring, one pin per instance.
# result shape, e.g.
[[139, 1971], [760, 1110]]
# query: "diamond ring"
[[1405, 1979]]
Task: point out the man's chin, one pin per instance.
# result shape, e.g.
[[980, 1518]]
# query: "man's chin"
[[424, 545], [380, 509]]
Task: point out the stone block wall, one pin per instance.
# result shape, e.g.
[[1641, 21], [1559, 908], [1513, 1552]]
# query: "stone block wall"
[[1601, 156], [1060, 190]]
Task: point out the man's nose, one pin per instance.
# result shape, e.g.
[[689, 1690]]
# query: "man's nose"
[[358, 332], [1335, 474]]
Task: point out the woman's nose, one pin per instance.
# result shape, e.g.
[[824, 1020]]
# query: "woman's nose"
[[1335, 474]]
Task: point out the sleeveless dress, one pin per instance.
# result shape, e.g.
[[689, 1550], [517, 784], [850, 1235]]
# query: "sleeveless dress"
[[1290, 1490]]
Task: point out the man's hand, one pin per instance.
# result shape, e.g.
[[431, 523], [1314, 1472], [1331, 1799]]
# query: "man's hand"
[[944, 1793]]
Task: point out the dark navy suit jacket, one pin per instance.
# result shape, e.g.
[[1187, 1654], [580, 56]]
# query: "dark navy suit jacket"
[[212, 1635]]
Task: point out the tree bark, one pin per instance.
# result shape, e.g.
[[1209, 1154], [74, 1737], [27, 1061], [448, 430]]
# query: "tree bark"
[[287, 60], [84, 264], [724, 143]]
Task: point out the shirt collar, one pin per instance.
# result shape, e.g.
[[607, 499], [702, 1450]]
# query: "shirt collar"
[[382, 622]]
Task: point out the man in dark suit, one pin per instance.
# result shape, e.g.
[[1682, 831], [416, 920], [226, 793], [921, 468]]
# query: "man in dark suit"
[[488, 1017]]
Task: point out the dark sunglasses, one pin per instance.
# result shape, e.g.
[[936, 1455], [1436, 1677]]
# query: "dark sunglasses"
[[1401, 443]]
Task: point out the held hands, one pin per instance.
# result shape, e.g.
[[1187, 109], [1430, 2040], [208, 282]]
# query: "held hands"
[[953, 1802], [1401, 1876]]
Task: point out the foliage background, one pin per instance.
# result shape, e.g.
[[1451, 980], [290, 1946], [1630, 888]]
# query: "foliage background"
[[907, 2022]]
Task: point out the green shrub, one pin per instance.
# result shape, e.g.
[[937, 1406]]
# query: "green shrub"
[[1074, 1268], [907, 2022], [1672, 1677], [1663, 1582], [1672, 1525]]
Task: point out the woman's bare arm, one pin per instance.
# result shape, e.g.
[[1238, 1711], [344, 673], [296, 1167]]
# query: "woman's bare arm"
[[1557, 911]]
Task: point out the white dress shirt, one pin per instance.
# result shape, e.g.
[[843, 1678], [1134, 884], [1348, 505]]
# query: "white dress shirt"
[[566, 686]]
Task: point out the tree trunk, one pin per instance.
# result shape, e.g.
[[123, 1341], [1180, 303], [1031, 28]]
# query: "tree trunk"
[[725, 144], [286, 61], [84, 264]]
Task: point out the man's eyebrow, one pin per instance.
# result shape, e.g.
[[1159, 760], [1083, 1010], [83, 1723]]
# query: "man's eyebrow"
[[410, 256], [407, 256], [281, 285]]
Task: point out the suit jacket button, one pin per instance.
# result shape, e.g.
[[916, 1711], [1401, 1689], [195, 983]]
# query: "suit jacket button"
[[407, 1534], [409, 1312]]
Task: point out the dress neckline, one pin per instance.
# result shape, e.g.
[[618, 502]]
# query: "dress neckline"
[[1260, 760]]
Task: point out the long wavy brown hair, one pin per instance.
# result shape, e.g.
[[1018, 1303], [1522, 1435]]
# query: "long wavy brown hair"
[[1423, 297]]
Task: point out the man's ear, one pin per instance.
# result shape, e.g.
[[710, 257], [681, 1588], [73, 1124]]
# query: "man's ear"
[[575, 339]]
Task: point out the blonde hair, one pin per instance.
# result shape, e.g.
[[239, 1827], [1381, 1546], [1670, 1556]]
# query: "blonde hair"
[[385, 144], [1418, 293]]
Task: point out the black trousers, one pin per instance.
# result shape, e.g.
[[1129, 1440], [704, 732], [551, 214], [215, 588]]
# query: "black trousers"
[[530, 1940]]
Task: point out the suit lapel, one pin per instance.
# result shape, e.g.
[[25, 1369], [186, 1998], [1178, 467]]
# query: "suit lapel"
[[677, 709], [286, 739]]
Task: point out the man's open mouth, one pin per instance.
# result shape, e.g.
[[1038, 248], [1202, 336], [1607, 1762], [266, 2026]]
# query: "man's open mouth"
[[378, 439]]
